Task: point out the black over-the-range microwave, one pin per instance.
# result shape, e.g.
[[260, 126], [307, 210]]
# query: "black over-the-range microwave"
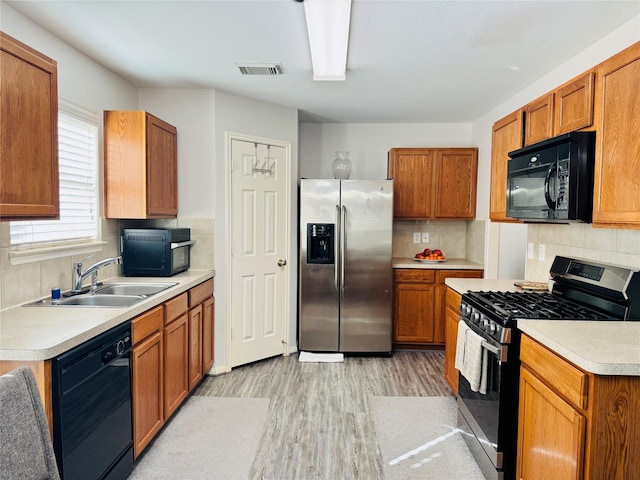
[[552, 181], [155, 252]]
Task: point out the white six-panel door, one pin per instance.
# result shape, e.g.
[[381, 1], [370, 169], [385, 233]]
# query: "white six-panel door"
[[259, 234]]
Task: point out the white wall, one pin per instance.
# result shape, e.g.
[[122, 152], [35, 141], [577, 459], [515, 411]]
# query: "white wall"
[[235, 114], [86, 84], [368, 144], [192, 112]]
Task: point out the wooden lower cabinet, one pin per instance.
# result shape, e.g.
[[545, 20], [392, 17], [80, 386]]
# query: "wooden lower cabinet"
[[195, 346], [574, 424], [420, 306], [451, 318], [414, 312], [176, 364], [208, 315], [147, 377], [553, 445]]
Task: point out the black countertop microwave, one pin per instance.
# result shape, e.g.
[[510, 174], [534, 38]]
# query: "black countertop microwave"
[[155, 252], [552, 181]]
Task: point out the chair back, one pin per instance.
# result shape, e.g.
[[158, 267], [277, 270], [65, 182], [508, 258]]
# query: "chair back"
[[26, 450]]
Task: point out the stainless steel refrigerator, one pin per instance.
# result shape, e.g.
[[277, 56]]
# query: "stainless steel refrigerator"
[[345, 266]]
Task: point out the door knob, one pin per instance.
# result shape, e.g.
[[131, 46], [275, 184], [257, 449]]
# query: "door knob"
[[282, 263]]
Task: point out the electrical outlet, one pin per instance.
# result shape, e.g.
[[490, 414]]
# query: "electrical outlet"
[[416, 237], [530, 251], [425, 237], [541, 253]]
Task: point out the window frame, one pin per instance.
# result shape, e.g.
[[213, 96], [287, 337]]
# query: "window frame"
[[34, 252]]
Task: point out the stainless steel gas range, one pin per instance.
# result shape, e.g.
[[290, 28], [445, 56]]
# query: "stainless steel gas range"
[[582, 290]]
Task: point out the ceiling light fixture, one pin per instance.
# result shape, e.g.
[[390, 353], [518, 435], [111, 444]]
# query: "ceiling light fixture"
[[328, 30]]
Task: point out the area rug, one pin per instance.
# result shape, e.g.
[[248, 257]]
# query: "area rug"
[[419, 439], [208, 438]]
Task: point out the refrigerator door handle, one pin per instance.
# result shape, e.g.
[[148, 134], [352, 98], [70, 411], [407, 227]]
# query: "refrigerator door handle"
[[343, 246], [336, 250]]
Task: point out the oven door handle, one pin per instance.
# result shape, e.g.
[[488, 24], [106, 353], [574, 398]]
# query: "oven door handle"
[[500, 352], [175, 245]]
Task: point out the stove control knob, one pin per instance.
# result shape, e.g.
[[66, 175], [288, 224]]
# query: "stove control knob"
[[465, 310], [484, 322], [475, 317], [491, 328]]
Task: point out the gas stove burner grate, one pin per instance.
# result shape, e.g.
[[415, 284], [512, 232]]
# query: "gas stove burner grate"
[[511, 305]]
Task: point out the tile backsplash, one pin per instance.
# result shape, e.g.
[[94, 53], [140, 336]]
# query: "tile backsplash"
[[457, 238], [612, 246], [33, 280]]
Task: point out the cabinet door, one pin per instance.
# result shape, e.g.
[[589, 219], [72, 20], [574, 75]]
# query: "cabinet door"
[[162, 169], [176, 364], [456, 173], [451, 338], [195, 346], [411, 171], [574, 104], [414, 313], [28, 133], [538, 119], [506, 137], [617, 171], [551, 433], [140, 163], [208, 315], [147, 387]]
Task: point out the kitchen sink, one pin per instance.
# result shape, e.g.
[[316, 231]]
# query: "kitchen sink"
[[107, 295], [88, 300], [147, 289]]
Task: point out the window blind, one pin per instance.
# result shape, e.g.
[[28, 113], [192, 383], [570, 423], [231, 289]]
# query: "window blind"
[[78, 160]]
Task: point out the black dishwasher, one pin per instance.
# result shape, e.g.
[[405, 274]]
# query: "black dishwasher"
[[92, 430]]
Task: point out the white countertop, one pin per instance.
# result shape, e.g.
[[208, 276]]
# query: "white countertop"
[[41, 333], [463, 285], [449, 264], [603, 348]]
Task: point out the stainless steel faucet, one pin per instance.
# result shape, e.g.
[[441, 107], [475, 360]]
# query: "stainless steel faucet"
[[79, 275]]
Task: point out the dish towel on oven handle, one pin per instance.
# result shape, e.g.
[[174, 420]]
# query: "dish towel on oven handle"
[[471, 358]]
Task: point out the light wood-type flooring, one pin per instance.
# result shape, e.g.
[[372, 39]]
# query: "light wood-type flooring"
[[319, 424]]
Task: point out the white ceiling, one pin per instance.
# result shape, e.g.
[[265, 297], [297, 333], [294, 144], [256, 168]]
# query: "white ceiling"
[[408, 61]]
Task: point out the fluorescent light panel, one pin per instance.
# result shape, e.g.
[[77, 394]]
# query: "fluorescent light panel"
[[328, 30]]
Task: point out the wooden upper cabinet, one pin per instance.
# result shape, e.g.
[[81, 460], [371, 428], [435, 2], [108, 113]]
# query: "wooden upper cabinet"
[[456, 178], [574, 104], [434, 183], [28, 133], [141, 166], [506, 136], [565, 109], [616, 202], [411, 171], [539, 119]]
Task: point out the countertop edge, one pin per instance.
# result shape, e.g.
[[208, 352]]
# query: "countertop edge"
[[537, 330], [105, 320], [449, 264]]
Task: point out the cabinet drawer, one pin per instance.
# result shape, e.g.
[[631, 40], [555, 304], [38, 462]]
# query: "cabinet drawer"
[[415, 276], [146, 324], [200, 293], [453, 299], [442, 275], [564, 378], [175, 307]]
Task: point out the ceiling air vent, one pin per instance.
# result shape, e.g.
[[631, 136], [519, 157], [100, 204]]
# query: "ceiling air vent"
[[259, 68]]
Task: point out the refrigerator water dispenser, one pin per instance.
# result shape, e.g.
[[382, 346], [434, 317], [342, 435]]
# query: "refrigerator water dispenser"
[[320, 243]]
